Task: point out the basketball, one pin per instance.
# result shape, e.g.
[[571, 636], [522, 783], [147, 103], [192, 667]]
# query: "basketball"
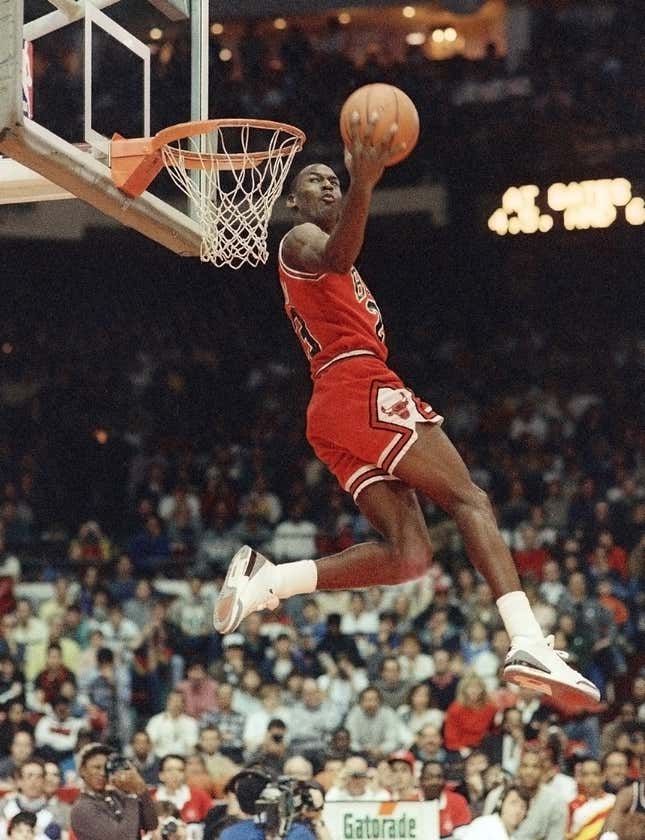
[[392, 106]]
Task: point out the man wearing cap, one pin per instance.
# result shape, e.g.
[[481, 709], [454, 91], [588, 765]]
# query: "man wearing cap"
[[403, 786], [114, 806], [354, 783]]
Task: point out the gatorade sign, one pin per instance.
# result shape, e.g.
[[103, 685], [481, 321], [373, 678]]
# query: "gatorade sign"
[[382, 820]]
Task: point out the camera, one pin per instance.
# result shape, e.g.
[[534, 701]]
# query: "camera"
[[116, 762], [281, 802]]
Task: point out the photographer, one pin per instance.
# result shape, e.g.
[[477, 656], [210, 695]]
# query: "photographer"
[[114, 802], [284, 809]]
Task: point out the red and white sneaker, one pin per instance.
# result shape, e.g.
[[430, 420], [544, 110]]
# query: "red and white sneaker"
[[534, 663], [248, 587]]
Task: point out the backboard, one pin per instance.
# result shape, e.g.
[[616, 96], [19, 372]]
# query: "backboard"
[[38, 163]]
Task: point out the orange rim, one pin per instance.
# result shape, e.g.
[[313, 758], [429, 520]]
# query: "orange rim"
[[135, 163]]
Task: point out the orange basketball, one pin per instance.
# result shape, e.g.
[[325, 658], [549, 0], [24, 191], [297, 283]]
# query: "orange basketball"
[[392, 106]]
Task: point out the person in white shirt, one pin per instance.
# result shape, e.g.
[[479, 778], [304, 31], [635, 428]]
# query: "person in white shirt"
[[416, 666], [172, 731], [56, 733], [501, 824], [355, 783], [359, 620], [294, 537]]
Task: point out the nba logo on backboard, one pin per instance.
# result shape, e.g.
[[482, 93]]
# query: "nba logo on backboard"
[[27, 79]]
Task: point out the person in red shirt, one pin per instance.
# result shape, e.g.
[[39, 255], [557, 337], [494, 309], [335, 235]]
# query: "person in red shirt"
[[453, 807], [470, 716], [193, 803], [54, 675], [198, 689]]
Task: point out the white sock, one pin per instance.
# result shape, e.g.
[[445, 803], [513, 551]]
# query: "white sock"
[[518, 616], [297, 578]]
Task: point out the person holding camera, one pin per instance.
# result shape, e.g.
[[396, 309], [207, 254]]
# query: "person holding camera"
[[115, 801], [270, 810]]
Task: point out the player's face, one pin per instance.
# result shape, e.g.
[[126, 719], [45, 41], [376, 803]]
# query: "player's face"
[[317, 195]]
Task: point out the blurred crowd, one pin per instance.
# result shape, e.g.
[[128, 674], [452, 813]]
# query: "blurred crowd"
[[575, 96], [126, 490]]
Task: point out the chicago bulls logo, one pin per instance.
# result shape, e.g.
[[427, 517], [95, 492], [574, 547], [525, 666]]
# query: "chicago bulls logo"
[[396, 403]]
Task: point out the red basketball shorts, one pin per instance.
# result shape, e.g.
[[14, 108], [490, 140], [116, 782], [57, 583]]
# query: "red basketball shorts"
[[361, 421]]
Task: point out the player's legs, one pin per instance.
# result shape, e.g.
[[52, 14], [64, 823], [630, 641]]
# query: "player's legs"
[[393, 509], [433, 466], [253, 582]]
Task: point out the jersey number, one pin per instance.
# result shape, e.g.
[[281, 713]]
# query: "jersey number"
[[311, 346], [372, 308]]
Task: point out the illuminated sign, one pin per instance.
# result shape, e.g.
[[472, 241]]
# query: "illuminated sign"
[[583, 205]]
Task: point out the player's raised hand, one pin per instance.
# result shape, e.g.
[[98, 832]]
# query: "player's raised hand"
[[366, 160]]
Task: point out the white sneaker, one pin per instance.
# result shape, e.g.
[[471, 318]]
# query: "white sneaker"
[[248, 587], [534, 663]]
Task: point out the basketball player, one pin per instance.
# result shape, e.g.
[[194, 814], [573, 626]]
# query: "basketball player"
[[380, 440]]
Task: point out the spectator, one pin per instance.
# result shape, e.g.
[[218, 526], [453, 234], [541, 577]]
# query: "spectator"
[[218, 766], [443, 683], [273, 750], [22, 826], [589, 810], [56, 606], [374, 728], [56, 733], [30, 781], [359, 621], [505, 748], [143, 758], [547, 815], [60, 809], [257, 721], [312, 721], [11, 682], [615, 770], [470, 716], [232, 666], [55, 674], [109, 696], [193, 803], [172, 729], [418, 711], [503, 823], [193, 615], [229, 722], [22, 749], [123, 809], [294, 537], [354, 783], [198, 689], [453, 808], [298, 767], [138, 609], [394, 690], [403, 786], [415, 665]]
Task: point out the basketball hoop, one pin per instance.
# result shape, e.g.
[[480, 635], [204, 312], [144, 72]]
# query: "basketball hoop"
[[240, 168]]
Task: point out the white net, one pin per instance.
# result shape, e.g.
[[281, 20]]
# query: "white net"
[[233, 176]]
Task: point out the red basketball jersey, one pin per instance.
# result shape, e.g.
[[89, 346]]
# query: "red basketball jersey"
[[333, 315]]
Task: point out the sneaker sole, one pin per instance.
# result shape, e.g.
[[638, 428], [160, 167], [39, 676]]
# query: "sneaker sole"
[[570, 697], [228, 607]]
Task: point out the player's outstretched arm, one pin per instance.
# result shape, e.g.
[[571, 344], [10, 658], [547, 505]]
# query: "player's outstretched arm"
[[365, 163], [309, 247]]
